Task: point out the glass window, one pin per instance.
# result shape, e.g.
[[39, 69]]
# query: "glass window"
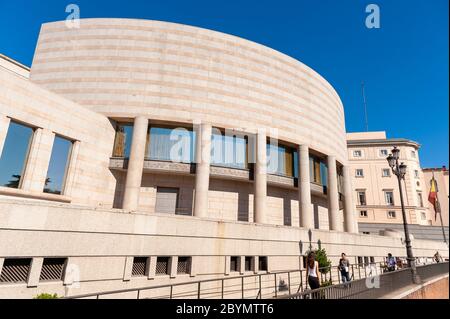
[[56, 174], [317, 170], [362, 198], [171, 144], [389, 197], [357, 153], [14, 154], [419, 199], [416, 173], [229, 150], [383, 153], [122, 143], [363, 213], [359, 172], [386, 172], [413, 154], [391, 214], [280, 160]]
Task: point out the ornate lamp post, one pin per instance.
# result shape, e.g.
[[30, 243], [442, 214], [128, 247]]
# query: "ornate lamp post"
[[399, 170]]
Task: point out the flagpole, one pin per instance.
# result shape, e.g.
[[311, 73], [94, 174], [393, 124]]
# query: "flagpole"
[[438, 206]]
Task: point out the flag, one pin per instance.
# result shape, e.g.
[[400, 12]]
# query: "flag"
[[432, 197]]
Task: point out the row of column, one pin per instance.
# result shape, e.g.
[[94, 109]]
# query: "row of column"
[[203, 156]]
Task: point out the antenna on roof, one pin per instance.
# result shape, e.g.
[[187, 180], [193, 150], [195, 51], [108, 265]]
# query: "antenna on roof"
[[365, 107]]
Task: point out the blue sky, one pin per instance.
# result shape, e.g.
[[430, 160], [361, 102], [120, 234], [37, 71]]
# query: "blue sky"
[[404, 64]]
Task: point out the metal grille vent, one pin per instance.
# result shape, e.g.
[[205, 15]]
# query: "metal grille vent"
[[234, 261], [263, 263], [162, 266], [52, 269], [15, 270], [139, 266], [184, 265]]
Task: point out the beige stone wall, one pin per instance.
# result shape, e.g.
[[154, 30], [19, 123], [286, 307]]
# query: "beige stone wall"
[[106, 239], [173, 72], [89, 180]]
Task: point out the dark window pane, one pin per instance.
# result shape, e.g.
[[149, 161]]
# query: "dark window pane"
[[57, 168], [280, 160], [14, 154], [248, 263], [162, 266], [15, 270], [262, 263], [234, 263], [122, 144], [139, 266]]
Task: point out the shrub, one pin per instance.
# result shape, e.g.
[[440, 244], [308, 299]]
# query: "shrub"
[[322, 259], [46, 296]]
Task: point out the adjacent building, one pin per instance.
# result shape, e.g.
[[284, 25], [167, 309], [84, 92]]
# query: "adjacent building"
[[138, 153], [376, 190]]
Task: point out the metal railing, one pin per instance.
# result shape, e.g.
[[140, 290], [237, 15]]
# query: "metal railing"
[[257, 286], [374, 287]]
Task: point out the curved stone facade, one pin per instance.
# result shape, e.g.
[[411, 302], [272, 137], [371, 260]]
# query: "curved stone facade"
[[172, 72]]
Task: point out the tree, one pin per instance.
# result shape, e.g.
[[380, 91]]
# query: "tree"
[[14, 183]]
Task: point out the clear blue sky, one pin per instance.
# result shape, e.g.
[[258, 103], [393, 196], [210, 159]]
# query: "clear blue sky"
[[404, 63]]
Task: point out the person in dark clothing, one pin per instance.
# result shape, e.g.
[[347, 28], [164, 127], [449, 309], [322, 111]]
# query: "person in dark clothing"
[[391, 262], [344, 268]]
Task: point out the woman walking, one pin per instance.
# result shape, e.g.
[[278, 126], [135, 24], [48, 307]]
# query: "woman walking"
[[312, 272]]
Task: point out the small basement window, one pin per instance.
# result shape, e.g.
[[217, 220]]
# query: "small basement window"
[[184, 265], [263, 263], [15, 270], [248, 263], [234, 263], [162, 266], [52, 269], [139, 266]]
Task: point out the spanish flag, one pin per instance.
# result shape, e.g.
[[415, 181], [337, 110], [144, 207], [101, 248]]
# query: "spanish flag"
[[433, 197]]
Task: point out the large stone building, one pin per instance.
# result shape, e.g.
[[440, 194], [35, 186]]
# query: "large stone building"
[[376, 189], [134, 153], [442, 180]]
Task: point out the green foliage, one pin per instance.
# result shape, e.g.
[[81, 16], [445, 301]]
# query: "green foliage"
[[322, 259], [326, 283], [46, 296]]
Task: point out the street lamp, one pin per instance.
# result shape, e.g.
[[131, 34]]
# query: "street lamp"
[[399, 170]]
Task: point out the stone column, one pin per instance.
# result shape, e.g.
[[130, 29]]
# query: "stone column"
[[135, 164], [203, 159], [333, 195], [304, 188], [350, 221], [4, 125], [260, 178]]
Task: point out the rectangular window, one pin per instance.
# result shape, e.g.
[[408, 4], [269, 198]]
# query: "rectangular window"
[[423, 215], [359, 172], [357, 153], [391, 214], [366, 260], [184, 265], [122, 143], [386, 172], [372, 259], [383, 153], [360, 260], [56, 173], [366, 233], [413, 154], [420, 199], [280, 160], [15, 270], [318, 170], [234, 263], [139, 266], [162, 265], [229, 150], [171, 144], [52, 269], [416, 173], [248, 263], [166, 200], [14, 155], [363, 213], [389, 197], [263, 263], [362, 198]]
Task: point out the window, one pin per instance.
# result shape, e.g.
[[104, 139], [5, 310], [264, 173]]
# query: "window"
[[413, 154], [420, 199], [318, 171], [372, 259], [234, 263], [122, 143], [15, 270], [14, 155], [363, 213], [362, 198], [229, 150], [383, 153], [389, 197], [416, 173], [360, 260], [359, 172], [139, 266], [184, 265], [391, 214], [366, 260], [166, 200], [56, 173], [162, 266], [423, 215], [357, 153], [386, 172], [171, 144], [248, 263], [52, 269], [366, 233], [263, 263], [280, 160]]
